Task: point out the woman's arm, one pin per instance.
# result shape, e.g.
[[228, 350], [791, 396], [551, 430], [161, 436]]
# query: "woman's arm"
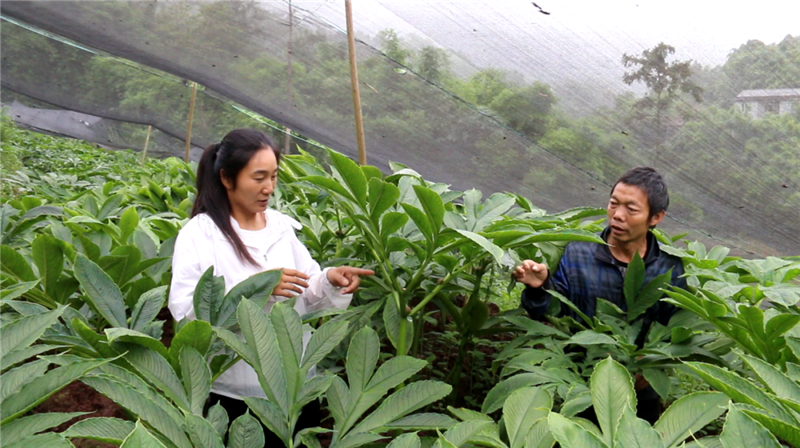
[[186, 272]]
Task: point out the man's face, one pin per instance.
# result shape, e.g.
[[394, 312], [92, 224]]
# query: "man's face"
[[628, 214]]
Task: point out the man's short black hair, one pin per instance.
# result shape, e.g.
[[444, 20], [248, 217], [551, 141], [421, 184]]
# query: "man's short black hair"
[[649, 181]]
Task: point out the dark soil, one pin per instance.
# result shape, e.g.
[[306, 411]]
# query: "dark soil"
[[78, 397]]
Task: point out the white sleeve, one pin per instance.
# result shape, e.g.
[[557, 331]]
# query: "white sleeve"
[[320, 294], [186, 272]]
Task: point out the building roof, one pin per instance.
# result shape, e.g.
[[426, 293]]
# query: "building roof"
[[759, 94]]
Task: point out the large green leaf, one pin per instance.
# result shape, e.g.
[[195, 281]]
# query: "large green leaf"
[[382, 196], [329, 185], [338, 397], [202, 433], [689, 414], [776, 381], [49, 258], [271, 416], [246, 432], [21, 333], [522, 409], [14, 379], [208, 296], [147, 308], [311, 390], [30, 425], [119, 337], [289, 333], [461, 433], [410, 440], [612, 393], [782, 430], [539, 435], [18, 356], [41, 388], [46, 440], [263, 344], [421, 220], [572, 435], [352, 176], [101, 429], [402, 402], [741, 431], [128, 223], [560, 235], [423, 421], [196, 379], [659, 380], [634, 279], [17, 290], [495, 251], [432, 205], [196, 334], [356, 440], [634, 432], [501, 391], [590, 337], [14, 264], [649, 295], [741, 390], [101, 291], [140, 437], [256, 288], [143, 404], [156, 369], [218, 418], [391, 222], [324, 339], [391, 322]]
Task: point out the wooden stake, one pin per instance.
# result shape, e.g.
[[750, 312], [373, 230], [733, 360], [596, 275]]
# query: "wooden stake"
[[189, 126], [351, 46], [146, 141]]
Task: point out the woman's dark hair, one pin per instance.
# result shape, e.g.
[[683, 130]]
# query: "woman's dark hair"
[[227, 158], [649, 181]]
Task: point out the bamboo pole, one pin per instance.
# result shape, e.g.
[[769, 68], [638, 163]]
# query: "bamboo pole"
[[189, 126], [287, 144], [351, 46], [146, 141]]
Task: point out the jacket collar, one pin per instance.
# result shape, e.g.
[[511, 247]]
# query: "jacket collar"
[[603, 253]]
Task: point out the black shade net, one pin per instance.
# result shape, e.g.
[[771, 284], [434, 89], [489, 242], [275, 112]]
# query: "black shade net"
[[504, 121]]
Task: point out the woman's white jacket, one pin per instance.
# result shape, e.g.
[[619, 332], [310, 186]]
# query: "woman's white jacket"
[[200, 244]]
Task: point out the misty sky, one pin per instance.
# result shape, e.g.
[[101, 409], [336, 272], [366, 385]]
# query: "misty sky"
[[580, 33]]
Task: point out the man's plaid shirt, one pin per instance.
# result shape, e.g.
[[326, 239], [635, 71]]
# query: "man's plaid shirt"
[[588, 271]]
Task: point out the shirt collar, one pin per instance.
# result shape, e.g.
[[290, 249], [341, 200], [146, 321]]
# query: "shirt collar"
[[603, 253]]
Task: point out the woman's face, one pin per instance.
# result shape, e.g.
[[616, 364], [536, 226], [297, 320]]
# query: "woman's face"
[[254, 184]]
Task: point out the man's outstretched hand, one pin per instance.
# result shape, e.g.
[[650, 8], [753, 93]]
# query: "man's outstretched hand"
[[531, 273]]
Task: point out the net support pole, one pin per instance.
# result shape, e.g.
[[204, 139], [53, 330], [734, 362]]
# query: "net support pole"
[[351, 46], [287, 144], [189, 125], [146, 141]]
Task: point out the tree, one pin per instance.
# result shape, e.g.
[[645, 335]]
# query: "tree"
[[392, 46], [666, 81], [432, 64]]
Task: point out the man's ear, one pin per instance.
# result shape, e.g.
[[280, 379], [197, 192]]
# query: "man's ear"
[[655, 219], [225, 181]]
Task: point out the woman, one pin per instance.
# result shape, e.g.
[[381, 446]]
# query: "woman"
[[233, 230]]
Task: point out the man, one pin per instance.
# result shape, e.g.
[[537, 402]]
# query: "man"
[[589, 271]]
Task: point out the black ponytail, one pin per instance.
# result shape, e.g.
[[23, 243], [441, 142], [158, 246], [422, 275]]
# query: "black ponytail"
[[229, 157]]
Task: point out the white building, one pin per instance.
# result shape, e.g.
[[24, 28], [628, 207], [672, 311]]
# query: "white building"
[[765, 101]]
